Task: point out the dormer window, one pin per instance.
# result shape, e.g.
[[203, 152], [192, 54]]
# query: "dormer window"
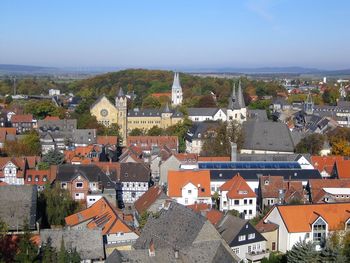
[[44, 179], [319, 229], [36, 178], [29, 179], [266, 182]]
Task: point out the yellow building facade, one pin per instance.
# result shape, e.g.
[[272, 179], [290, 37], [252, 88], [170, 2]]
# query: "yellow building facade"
[[107, 113]]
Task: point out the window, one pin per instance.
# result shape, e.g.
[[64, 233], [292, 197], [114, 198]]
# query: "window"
[[245, 201], [250, 201], [251, 236], [249, 249], [186, 201], [189, 191], [250, 211], [29, 178], [63, 185], [79, 185], [236, 202], [273, 246], [36, 178], [245, 212], [236, 250], [319, 230], [241, 238]]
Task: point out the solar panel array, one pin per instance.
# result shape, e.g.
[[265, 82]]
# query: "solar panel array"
[[249, 165]]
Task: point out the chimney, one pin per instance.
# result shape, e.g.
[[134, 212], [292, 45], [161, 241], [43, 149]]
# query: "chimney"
[[176, 254], [233, 152], [151, 249]]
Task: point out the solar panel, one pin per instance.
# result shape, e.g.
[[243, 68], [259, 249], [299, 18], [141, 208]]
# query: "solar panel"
[[249, 165]]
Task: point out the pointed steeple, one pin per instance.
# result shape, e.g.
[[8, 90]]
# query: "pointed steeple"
[[166, 108], [309, 104], [232, 100], [176, 82], [120, 93], [176, 90], [240, 96]]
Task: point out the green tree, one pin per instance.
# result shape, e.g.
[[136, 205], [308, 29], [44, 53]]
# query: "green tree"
[[155, 131], [53, 157], [8, 99], [112, 130], [48, 253], [330, 96], [312, 144], [27, 250], [150, 102], [58, 204], [136, 132], [180, 129], [41, 109], [302, 252]]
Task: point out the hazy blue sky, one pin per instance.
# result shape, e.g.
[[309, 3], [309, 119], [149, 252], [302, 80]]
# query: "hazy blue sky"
[[181, 33]]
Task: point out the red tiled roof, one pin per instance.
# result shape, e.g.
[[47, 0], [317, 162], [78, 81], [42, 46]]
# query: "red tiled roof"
[[186, 157], [263, 227], [100, 215], [299, 218], [343, 169], [51, 118], [107, 140], [317, 185], [214, 158], [38, 177], [147, 199], [325, 162], [22, 118], [158, 95], [237, 188], [178, 179], [213, 215]]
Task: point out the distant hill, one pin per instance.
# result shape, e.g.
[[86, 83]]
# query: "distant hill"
[[23, 68]]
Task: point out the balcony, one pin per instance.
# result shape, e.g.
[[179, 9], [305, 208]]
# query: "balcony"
[[255, 256]]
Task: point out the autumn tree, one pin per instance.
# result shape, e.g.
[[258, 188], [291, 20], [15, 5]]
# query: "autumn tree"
[[218, 143], [28, 145], [311, 144]]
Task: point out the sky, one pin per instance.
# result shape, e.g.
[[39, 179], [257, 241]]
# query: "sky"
[[176, 34]]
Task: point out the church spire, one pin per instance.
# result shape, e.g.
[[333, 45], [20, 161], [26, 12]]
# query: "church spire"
[[120, 93], [309, 104], [240, 96], [232, 99], [176, 91]]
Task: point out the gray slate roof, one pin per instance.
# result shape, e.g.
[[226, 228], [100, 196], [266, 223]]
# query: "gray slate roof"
[[18, 203], [134, 172], [204, 252], [198, 129], [88, 242], [257, 115], [271, 157], [176, 227], [202, 111], [91, 172], [153, 113], [266, 135]]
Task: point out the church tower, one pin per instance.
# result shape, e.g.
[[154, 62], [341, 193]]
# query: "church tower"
[[176, 91], [121, 104], [309, 105], [236, 109]]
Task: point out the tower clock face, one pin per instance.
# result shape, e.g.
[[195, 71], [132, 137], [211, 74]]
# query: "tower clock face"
[[104, 113]]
